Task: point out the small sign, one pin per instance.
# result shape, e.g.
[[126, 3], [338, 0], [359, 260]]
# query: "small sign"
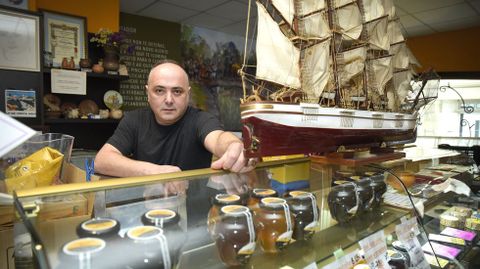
[[346, 261], [375, 248], [13, 133], [69, 82], [406, 233], [20, 104]]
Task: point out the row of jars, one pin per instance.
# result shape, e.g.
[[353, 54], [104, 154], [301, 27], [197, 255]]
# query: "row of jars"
[[237, 225], [348, 199], [156, 244]]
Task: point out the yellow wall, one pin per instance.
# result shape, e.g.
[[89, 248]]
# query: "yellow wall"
[[99, 13], [455, 51]]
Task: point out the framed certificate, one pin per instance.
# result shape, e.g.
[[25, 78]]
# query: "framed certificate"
[[19, 41], [65, 36]]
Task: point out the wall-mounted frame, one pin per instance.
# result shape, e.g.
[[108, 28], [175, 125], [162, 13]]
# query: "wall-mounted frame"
[[19, 41], [65, 36]]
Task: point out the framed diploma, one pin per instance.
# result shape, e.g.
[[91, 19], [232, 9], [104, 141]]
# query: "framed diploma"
[[65, 37], [19, 41]]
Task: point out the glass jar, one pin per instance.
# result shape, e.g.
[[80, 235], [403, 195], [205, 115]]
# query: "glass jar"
[[343, 202], [274, 224], [88, 252], [101, 227], [234, 235], [218, 202], [365, 195], [303, 206], [168, 220], [147, 248], [257, 195]]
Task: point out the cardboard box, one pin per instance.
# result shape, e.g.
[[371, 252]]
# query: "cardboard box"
[[59, 206]]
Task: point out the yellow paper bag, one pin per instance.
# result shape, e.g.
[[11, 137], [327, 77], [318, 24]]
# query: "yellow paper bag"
[[37, 170]]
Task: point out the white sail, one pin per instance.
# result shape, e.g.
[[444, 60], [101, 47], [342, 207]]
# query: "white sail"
[[401, 82], [350, 21], [389, 8], [277, 57], [316, 69], [400, 54], [412, 59], [339, 3], [286, 8], [309, 6], [373, 9], [382, 72], [354, 63], [315, 26], [378, 34], [395, 32]]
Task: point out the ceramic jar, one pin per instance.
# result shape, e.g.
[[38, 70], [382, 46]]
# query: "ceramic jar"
[[379, 188], [147, 248], [101, 227], [365, 196], [303, 206], [98, 68], [257, 195], [218, 202], [234, 235], [342, 202], [85, 252], [275, 224]]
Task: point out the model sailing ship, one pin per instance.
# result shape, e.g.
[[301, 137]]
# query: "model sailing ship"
[[330, 75]]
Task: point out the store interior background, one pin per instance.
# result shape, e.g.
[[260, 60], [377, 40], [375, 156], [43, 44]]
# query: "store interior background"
[[442, 34]]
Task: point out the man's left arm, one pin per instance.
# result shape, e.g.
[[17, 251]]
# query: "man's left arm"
[[229, 149]]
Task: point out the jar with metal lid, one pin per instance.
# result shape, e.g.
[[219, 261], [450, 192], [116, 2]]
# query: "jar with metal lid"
[[303, 206], [379, 188], [147, 248], [219, 201], [88, 252], [343, 203], [100, 227], [234, 235], [258, 194], [168, 220], [274, 224], [447, 220]]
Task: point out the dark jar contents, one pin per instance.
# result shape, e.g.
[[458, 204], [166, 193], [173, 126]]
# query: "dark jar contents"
[[365, 196], [234, 235], [258, 194], [101, 227], [274, 224], [146, 247], [218, 202], [342, 202], [168, 220], [88, 252], [397, 260], [379, 188], [303, 206]]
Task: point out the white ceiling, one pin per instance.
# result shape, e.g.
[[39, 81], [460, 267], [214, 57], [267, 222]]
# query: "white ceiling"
[[418, 17]]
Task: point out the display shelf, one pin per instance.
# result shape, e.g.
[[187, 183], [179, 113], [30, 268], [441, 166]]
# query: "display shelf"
[[364, 159], [76, 121], [92, 74]]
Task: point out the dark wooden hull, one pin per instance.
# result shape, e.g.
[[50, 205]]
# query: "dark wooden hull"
[[264, 138]]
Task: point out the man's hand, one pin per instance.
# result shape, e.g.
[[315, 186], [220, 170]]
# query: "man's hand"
[[233, 159]]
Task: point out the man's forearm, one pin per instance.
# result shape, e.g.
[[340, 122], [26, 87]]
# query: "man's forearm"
[[224, 140]]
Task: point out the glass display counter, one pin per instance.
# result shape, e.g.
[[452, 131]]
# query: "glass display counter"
[[196, 219]]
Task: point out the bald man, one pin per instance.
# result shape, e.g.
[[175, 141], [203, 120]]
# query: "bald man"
[[169, 136]]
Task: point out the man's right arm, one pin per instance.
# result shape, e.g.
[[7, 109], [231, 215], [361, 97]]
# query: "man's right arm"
[[110, 161]]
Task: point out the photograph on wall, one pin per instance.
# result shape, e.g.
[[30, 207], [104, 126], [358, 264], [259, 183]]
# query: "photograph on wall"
[[212, 60], [20, 104]]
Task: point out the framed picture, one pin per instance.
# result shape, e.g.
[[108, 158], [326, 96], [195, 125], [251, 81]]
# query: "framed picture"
[[65, 37], [22, 4], [19, 41]]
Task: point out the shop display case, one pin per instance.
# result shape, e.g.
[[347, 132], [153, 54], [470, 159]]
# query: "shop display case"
[[210, 219]]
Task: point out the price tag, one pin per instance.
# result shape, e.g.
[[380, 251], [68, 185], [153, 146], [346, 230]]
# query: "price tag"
[[346, 261], [406, 235], [375, 248]]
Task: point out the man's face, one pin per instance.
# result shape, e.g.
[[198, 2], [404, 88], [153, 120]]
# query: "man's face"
[[168, 93]]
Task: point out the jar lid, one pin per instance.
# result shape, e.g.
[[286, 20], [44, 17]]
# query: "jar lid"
[[144, 232], [160, 217], [234, 209], [449, 221], [262, 193], [302, 195], [99, 226], [226, 199], [83, 246], [273, 202]]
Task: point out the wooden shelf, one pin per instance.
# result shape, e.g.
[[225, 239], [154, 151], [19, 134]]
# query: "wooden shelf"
[[91, 74], [75, 121], [357, 160]]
